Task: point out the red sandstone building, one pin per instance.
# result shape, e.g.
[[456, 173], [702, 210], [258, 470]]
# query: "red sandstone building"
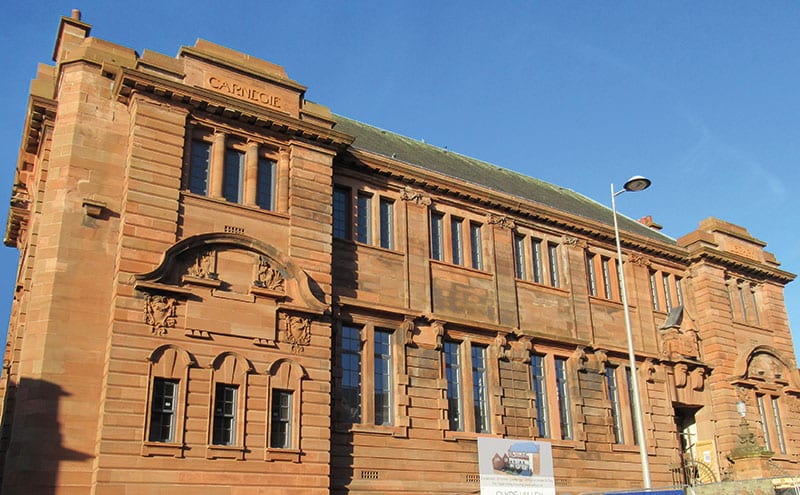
[[224, 288]]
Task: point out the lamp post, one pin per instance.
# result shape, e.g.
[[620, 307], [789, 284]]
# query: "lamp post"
[[634, 184]]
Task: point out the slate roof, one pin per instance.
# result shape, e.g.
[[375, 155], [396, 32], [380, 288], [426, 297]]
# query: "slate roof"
[[452, 164]]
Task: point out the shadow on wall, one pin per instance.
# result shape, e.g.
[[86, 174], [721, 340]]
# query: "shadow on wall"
[[33, 451]]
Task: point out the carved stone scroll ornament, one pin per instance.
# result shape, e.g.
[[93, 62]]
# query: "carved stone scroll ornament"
[[407, 331], [408, 194], [201, 267], [438, 331], [580, 358], [520, 350], [267, 276], [601, 358], [501, 344], [649, 370], [298, 332], [159, 313], [697, 379], [500, 221]]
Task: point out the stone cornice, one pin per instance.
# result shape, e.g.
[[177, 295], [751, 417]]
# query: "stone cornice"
[[521, 208], [40, 111], [740, 264], [131, 81]]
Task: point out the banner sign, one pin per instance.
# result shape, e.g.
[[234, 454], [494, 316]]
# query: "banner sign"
[[515, 467]]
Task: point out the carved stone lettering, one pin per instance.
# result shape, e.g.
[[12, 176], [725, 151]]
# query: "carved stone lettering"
[[240, 91]]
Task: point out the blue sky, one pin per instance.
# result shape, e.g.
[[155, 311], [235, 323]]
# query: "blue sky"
[[701, 97]]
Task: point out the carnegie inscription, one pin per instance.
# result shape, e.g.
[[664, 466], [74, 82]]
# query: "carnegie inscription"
[[245, 92]]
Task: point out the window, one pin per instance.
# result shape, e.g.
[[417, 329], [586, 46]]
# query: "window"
[[476, 245], [223, 166], [341, 213], [162, 410], [742, 304], [225, 405], [480, 389], [743, 299], [771, 426], [539, 386], [679, 290], [764, 428], [776, 415], [536, 254], [590, 274], [437, 232], [606, 277], [562, 389], [452, 365], [603, 279], [351, 372], [552, 255], [629, 382], [654, 291], [387, 223], [233, 177], [667, 292], [754, 305], [457, 240], [265, 184], [383, 377], [364, 218], [199, 159], [614, 401], [281, 425], [519, 256]]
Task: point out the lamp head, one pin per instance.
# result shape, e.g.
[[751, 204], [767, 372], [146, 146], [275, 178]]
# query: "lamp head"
[[637, 183]]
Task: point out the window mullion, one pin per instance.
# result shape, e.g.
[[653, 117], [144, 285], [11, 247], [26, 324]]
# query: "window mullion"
[[368, 374]]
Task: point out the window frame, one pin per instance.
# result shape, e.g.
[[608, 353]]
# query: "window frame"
[[167, 362], [285, 376], [474, 399], [232, 370]]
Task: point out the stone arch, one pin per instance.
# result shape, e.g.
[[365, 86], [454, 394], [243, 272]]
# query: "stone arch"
[[231, 367], [165, 360]]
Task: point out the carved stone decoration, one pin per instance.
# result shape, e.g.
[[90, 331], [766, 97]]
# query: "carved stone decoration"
[[638, 259], [202, 266], [765, 367], [681, 375], [267, 276], [568, 240], [690, 343], [697, 379], [298, 332], [649, 370], [408, 194], [670, 343], [407, 331], [159, 313], [501, 344], [601, 358], [520, 350], [580, 358], [500, 221], [438, 331]]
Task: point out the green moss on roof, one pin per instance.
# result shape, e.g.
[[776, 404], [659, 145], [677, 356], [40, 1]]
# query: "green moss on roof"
[[446, 162]]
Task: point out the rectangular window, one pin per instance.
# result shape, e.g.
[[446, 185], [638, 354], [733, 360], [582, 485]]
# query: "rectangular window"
[[755, 305], [629, 382], [351, 371], [562, 388], [383, 377], [539, 385], [233, 176], [606, 265], [763, 415], [741, 300], [552, 255], [519, 256], [679, 290], [341, 213], [437, 239], [281, 426], [476, 245], [457, 240], [667, 292], [776, 414], [536, 254], [480, 389], [199, 160], [162, 410], [591, 275], [654, 291], [387, 223], [452, 366], [265, 184], [364, 218], [613, 399], [224, 428]]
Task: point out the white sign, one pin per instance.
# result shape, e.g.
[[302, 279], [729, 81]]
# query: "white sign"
[[515, 467]]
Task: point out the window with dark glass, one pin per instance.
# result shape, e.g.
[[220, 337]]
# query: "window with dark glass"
[[536, 253], [224, 427], [383, 377], [387, 223], [452, 356], [519, 256], [233, 176], [281, 424], [590, 274], [562, 389], [776, 415], [763, 416], [654, 291], [480, 389], [341, 213], [614, 401], [552, 255], [199, 160], [476, 245], [606, 266], [539, 385], [265, 184], [162, 410], [364, 218], [667, 292], [457, 240], [351, 371], [437, 233], [679, 290]]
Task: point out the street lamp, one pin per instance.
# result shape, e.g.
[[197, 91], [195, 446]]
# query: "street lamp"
[[634, 184]]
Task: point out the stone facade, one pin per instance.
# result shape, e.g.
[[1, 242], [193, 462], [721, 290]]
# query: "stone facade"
[[225, 289]]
